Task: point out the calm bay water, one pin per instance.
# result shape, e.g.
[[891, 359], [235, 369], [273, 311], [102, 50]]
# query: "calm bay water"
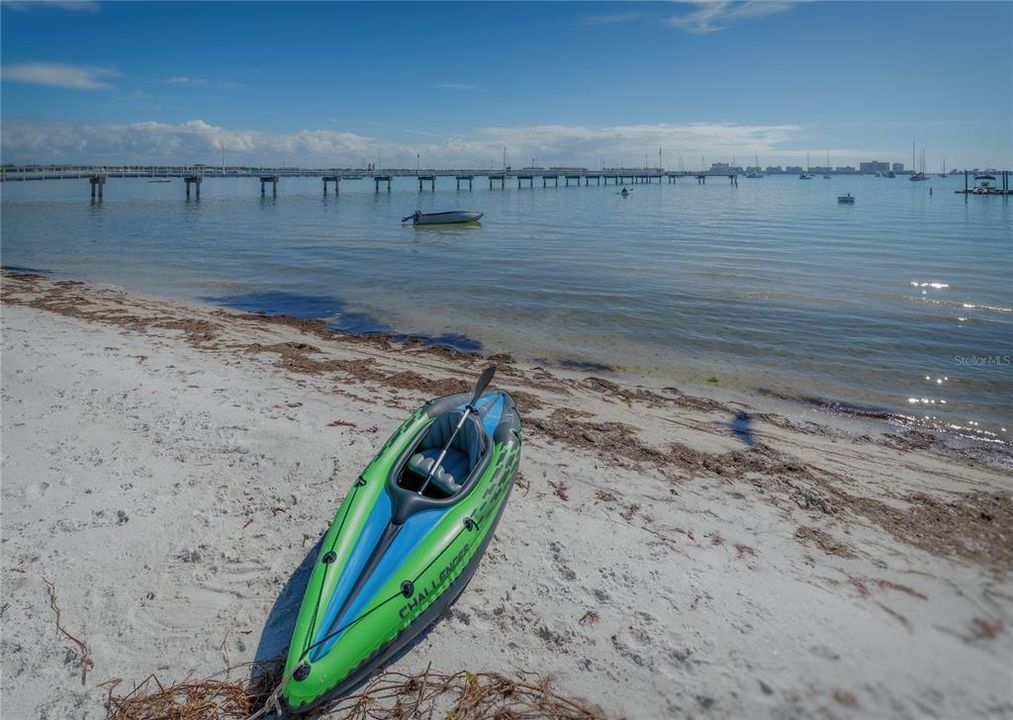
[[903, 296]]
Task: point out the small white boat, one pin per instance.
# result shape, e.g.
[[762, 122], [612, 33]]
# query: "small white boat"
[[443, 218], [846, 199]]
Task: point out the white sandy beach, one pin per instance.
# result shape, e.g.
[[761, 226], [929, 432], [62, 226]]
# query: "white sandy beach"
[[169, 469]]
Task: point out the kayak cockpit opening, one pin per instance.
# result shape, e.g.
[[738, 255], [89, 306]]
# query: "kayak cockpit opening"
[[463, 456]]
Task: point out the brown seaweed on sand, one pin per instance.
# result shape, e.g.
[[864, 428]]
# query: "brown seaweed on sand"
[[824, 541], [462, 695], [86, 661]]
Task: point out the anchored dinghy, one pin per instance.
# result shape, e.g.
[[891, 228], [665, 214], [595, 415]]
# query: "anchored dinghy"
[[404, 543], [450, 217]]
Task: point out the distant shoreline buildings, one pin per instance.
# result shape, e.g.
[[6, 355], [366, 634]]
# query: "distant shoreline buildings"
[[11, 171]]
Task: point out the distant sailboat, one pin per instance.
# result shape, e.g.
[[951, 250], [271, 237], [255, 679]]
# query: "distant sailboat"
[[915, 176], [827, 175], [807, 175], [755, 173]]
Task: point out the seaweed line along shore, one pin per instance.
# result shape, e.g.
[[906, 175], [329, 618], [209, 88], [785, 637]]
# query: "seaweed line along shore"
[[839, 526]]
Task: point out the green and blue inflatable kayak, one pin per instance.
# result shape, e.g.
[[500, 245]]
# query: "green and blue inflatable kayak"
[[401, 549]]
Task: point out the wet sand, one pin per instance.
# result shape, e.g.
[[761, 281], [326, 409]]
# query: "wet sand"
[[667, 552]]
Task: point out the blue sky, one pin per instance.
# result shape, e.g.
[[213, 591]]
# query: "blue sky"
[[337, 84]]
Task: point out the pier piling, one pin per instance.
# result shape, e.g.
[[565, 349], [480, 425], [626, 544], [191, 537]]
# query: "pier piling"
[[431, 179], [194, 180], [464, 177], [273, 179], [97, 182], [377, 179], [336, 179]]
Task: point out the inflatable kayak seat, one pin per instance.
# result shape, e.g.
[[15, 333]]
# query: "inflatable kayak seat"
[[463, 455]]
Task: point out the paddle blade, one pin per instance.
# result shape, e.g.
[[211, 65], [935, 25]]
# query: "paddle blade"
[[483, 383]]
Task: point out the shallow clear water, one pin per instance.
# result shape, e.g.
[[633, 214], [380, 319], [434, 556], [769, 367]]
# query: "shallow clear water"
[[771, 284]]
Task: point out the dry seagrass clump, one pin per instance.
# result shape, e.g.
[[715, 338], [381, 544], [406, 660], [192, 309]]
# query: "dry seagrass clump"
[[391, 695], [217, 697]]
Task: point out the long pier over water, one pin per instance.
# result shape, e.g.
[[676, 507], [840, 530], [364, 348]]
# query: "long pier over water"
[[193, 175]]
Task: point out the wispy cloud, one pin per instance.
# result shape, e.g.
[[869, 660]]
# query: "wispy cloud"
[[198, 141], [627, 144], [201, 82], [72, 5], [74, 77], [712, 15], [919, 123], [610, 19], [466, 87], [191, 141]]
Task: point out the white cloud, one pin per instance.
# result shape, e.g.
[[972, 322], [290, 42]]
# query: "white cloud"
[[610, 19], [75, 77], [73, 5], [627, 144], [201, 82], [457, 86], [198, 141], [713, 15], [179, 80], [191, 141]]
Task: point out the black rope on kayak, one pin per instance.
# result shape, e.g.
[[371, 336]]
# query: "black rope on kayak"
[[344, 627], [320, 593], [272, 700], [379, 605]]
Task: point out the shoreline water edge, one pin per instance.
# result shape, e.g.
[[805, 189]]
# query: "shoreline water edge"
[[902, 306], [168, 469]]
